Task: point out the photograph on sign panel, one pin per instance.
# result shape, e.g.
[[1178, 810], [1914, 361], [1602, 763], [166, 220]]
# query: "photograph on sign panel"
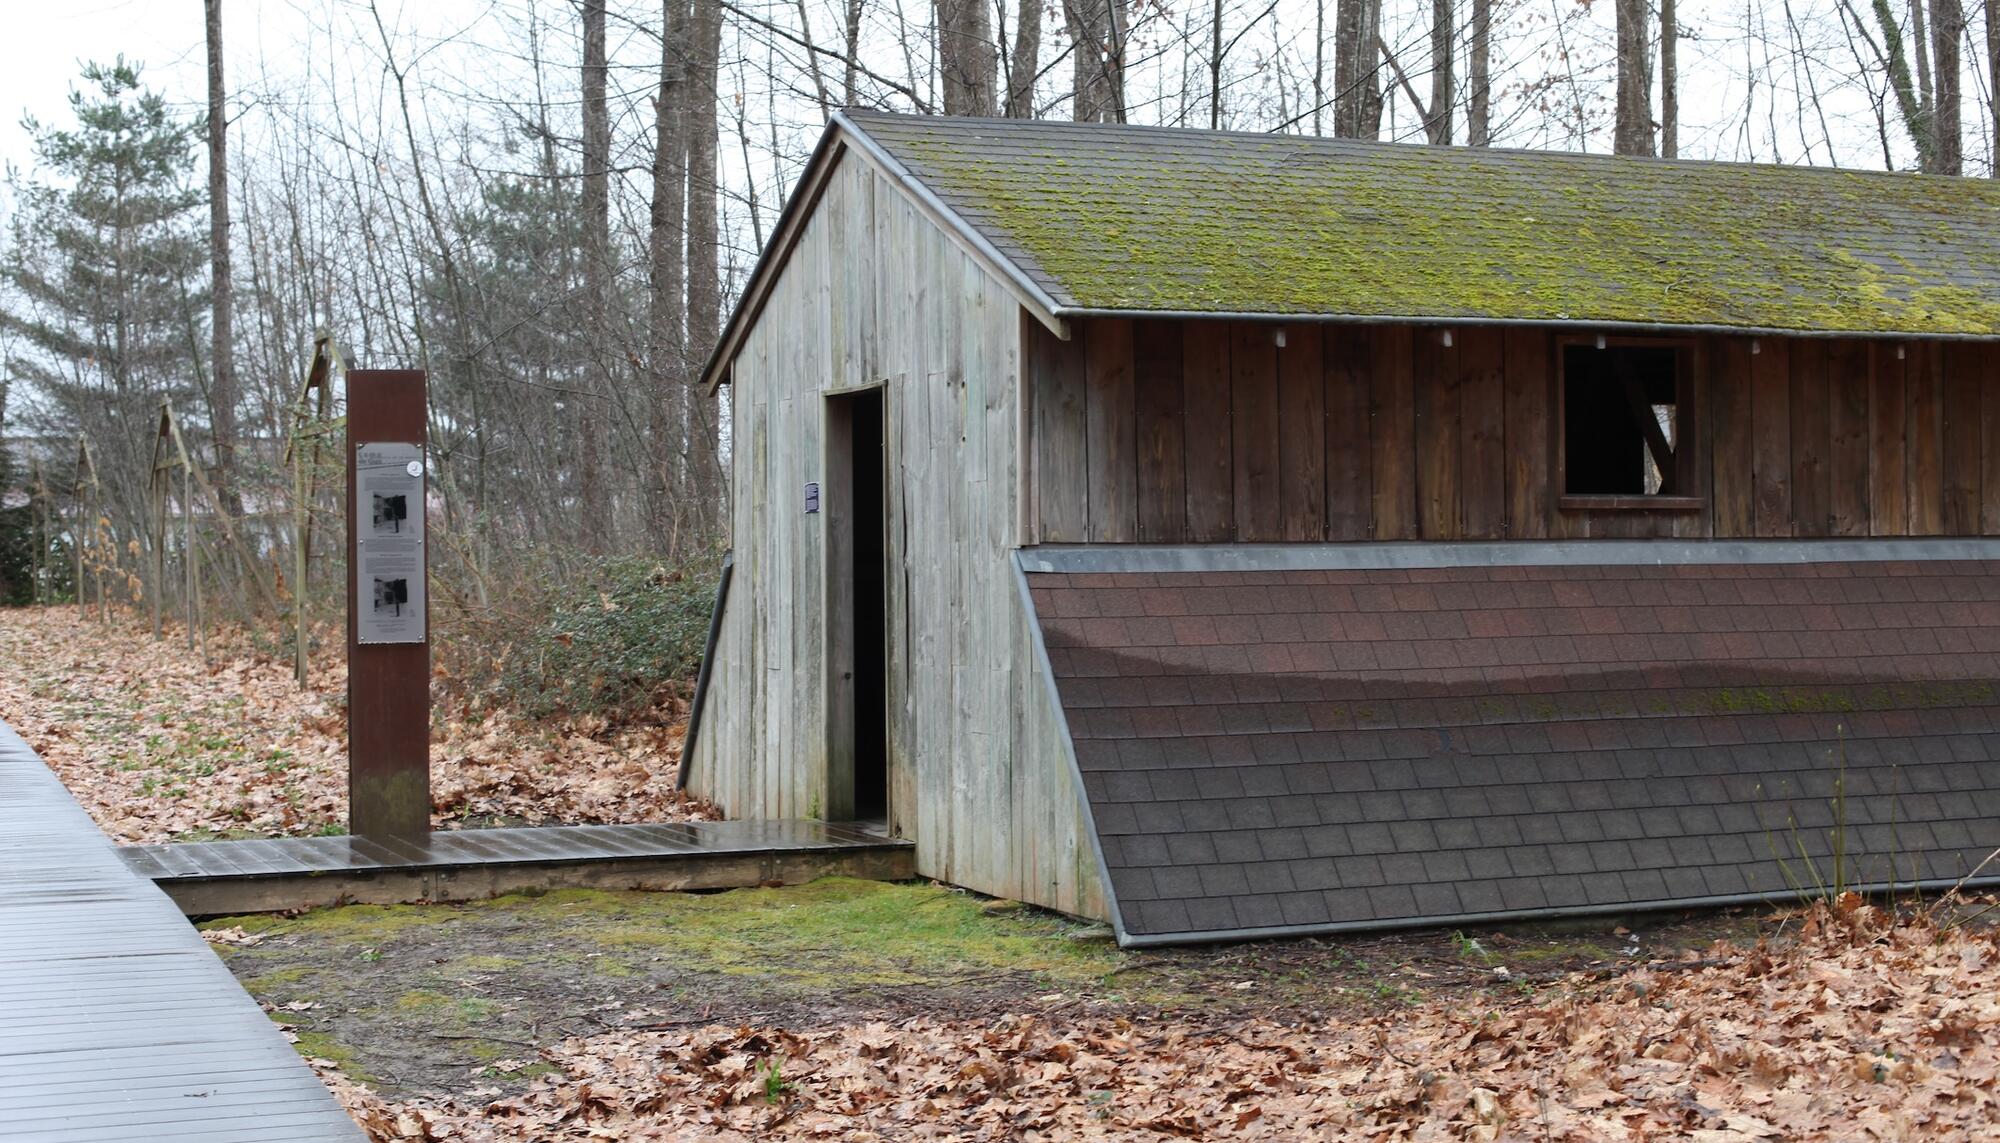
[[391, 595], [391, 511]]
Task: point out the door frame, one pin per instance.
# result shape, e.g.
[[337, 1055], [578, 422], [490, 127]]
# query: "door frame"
[[837, 642]]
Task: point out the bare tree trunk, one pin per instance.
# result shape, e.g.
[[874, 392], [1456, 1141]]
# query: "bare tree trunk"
[[1947, 31], [222, 366], [966, 59], [1215, 51], [1913, 103], [850, 95], [1920, 35], [596, 278], [1357, 87], [1993, 81], [703, 258], [1479, 70], [1027, 60], [1632, 133], [1444, 33], [1319, 64], [666, 350], [1670, 72], [1097, 30]]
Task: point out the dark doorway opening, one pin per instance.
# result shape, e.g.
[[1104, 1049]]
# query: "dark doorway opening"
[[871, 640], [856, 513]]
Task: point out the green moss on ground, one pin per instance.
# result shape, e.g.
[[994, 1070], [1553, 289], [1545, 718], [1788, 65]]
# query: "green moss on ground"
[[833, 932], [323, 1045], [349, 924]]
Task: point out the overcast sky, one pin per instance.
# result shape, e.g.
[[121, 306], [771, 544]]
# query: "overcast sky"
[[44, 42]]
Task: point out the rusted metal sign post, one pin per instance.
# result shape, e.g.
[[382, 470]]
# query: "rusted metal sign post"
[[388, 628]]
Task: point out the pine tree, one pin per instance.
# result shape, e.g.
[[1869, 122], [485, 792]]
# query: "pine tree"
[[16, 522], [108, 269]]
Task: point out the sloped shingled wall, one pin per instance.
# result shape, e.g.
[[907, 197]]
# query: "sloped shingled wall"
[[1319, 749]]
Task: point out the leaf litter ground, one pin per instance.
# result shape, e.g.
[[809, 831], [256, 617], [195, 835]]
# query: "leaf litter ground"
[[160, 745], [861, 1011]]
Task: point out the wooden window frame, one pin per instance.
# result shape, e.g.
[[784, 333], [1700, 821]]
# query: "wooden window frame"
[[1687, 419]]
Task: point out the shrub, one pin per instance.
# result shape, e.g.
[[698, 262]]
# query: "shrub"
[[621, 636]]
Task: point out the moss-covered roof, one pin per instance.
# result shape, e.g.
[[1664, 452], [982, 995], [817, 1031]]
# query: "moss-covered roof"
[[1143, 218]]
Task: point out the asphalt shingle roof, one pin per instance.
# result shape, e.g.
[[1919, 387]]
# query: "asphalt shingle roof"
[[1113, 217], [1321, 749]]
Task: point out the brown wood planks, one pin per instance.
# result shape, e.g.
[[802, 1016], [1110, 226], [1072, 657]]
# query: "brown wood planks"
[[1989, 396], [1302, 435], [1771, 429], [1482, 426], [1435, 369], [1963, 417], [1847, 410], [1349, 357], [1392, 391], [1530, 418], [1162, 456], [1210, 471], [1812, 473], [1924, 389], [1253, 370], [1111, 440], [1888, 486], [1061, 439], [1734, 471]]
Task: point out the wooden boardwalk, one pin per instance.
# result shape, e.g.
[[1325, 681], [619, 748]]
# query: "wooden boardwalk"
[[221, 877], [116, 1020]]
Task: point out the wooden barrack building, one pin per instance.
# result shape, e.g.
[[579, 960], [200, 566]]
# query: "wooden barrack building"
[[1234, 535]]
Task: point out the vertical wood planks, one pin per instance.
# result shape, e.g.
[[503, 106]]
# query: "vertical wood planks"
[[1482, 426], [1694, 447], [1963, 419], [1771, 436], [1847, 409], [1061, 439], [1530, 424], [1989, 403], [1392, 388], [1924, 389], [1111, 440], [1888, 485], [1253, 368], [1435, 366], [1812, 474], [1206, 432], [1302, 435], [1162, 467], [1733, 480], [956, 359], [1211, 514], [1349, 359]]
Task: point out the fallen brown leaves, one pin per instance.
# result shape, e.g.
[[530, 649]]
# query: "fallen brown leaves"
[[158, 744], [1865, 1027]]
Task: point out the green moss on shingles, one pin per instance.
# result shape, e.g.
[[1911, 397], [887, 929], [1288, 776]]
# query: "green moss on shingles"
[[1124, 220]]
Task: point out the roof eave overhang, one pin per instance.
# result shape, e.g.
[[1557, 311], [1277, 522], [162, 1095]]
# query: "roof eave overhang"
[[841, 136], [1613, 326]]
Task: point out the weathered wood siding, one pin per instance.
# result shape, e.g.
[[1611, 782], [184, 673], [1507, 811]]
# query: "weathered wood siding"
[[874, 293], [1169, 432]]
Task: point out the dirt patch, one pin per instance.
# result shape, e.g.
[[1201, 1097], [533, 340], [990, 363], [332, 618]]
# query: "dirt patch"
[[461, 999]]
